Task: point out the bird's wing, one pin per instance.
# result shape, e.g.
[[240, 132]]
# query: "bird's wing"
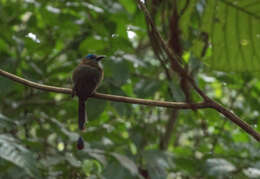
[[86, 79]]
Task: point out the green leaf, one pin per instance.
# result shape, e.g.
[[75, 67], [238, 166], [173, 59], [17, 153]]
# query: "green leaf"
[[72, 160], [146, 88], [127, 163], [91, 166], [12, 151], [94, 43], [6, 122], [95, 108], [218, 167], [177, 92], [234, 29], [186, 23], [71, 135], [6, 85], [116, 171], [130, 6], [157, 163], [119, 69], [252, 172], [122, 109]]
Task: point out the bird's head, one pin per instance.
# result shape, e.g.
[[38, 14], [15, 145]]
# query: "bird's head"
[[91, 57]]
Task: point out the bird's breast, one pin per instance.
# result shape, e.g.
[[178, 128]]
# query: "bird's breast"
[[86, 79]]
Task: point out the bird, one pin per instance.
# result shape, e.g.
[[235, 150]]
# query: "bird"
[[86, 78]]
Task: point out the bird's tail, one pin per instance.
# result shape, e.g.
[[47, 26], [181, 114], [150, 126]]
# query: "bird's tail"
[[81, 114], [80, 143]]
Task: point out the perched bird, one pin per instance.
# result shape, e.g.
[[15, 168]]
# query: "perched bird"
[[86, 78]]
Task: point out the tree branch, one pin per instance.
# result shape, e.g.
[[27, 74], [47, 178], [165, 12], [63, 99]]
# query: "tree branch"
[[165, 139], [175, 105], [178, 68]]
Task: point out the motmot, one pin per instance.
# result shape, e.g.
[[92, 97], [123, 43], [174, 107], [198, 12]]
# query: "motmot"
[[86, 78]]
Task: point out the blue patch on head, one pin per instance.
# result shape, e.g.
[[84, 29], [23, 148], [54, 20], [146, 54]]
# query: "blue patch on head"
[[91, 56]]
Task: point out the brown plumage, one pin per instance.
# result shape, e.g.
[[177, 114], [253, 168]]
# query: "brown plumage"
[[86, 78]]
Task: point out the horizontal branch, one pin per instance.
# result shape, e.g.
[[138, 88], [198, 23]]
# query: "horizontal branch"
[[175, 105]]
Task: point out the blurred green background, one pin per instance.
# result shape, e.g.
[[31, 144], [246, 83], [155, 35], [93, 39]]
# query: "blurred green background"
[[43, 41]]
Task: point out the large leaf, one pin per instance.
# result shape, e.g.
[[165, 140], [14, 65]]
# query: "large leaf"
[[127, 163], [13, 152], [157, 163], [6, 122], [116, 171], [219, 167], [234, 31]]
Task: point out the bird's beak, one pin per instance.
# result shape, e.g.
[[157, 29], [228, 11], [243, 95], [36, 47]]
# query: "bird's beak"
[[99, 58]]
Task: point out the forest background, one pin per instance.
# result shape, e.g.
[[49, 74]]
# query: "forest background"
[[178, 51]]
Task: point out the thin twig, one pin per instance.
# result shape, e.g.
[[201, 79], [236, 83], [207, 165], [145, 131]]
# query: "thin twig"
[[241, 9], [165, 139]]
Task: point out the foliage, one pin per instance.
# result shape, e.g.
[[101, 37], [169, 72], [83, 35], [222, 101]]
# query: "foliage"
[[44, 40]]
